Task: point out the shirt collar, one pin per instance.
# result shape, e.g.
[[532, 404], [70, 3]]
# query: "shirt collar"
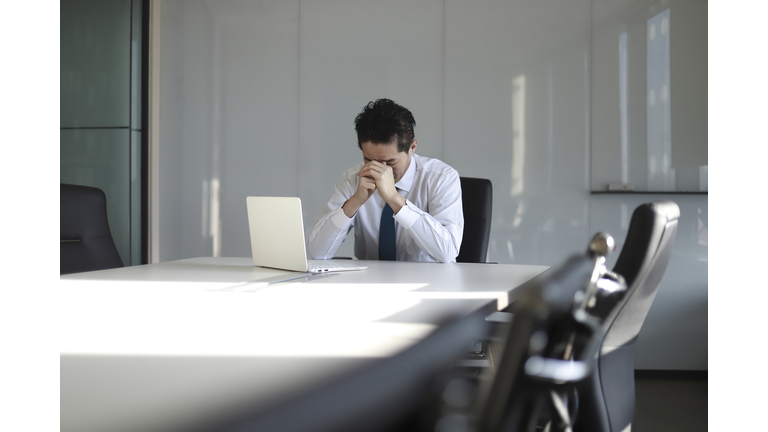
[[406, 182]]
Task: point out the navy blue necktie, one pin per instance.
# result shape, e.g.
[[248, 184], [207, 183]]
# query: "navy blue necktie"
[[387, 235]]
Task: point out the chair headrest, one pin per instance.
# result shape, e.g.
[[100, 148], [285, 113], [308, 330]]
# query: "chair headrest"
[[666, 207]]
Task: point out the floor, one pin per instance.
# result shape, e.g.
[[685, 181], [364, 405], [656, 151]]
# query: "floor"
[[666, 405]]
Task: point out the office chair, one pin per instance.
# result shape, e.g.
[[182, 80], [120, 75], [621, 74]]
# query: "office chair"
[[548, 349], [607, 400], [477, 203], [86, 242]]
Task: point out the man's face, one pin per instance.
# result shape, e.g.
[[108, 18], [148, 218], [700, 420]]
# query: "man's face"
[[388, 155]]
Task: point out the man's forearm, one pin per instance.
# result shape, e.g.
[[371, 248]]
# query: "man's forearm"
[[351, 206], [396, 201], [440, 239]]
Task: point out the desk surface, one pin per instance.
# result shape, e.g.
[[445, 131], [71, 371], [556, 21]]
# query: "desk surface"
[[158, 346]]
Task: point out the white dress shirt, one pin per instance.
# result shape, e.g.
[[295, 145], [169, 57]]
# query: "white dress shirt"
[[428, 228]]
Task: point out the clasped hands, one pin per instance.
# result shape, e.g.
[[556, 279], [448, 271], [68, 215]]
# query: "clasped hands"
[[374, 175]]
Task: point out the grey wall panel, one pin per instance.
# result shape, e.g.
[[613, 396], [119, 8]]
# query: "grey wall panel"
[[186, 132], [517, 113], [257, 103], [230, 91]]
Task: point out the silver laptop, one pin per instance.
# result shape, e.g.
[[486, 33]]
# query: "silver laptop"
[[277, 237]]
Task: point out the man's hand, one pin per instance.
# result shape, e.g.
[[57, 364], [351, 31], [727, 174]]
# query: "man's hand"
[[365, 189], [381, 174]]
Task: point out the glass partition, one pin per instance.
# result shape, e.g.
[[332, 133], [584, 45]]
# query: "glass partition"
[[100, 110]]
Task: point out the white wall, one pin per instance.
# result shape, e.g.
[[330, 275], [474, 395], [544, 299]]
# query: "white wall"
[[259, 97]]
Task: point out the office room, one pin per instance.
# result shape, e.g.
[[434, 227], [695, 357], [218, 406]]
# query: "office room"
[[577, 112]]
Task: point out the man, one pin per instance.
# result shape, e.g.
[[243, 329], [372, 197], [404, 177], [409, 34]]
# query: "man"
[[412, 202]]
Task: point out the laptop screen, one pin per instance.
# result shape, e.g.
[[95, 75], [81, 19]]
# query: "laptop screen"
[[277, 232]]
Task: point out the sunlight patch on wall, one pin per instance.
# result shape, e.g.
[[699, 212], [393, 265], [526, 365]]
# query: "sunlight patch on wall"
[[518, 134]]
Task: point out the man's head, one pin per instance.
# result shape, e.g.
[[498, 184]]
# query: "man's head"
[[383, 121], [385, 134]]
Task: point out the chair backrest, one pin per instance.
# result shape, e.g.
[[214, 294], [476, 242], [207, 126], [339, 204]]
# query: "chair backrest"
[[642, 262], [533, 356], [608, 399], [86, 241], [477, 203]]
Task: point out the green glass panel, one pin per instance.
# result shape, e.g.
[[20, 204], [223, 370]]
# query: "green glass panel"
[[101, 158], [95, 49]]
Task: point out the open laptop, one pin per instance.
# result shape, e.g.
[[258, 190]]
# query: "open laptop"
[[277, 237]]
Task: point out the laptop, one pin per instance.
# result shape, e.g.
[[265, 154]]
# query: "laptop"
[[277, 237]]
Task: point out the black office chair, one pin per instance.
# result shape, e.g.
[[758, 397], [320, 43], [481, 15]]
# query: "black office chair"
[[607, 400], [540, 356], [86, 242], [548, 350], [392, 394], [477, 203]]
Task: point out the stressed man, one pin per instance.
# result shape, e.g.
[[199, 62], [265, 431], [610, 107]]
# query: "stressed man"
[[403, 206]]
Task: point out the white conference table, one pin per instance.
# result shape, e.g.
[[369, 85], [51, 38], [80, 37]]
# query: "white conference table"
[[160, 346]]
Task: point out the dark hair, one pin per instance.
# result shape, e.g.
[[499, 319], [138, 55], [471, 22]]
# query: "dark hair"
[[382, 121]]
